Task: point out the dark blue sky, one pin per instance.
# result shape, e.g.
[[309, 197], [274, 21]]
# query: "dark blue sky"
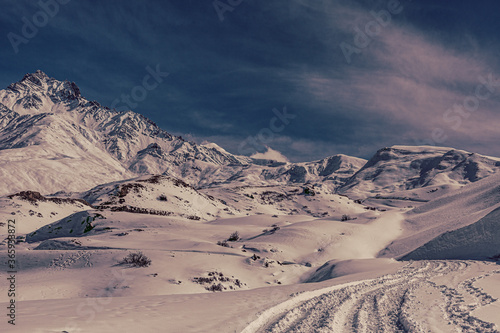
[[226, 77]]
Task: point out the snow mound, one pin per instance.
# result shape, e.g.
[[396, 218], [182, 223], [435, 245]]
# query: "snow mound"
[[35, 210], [478, 241], [56, 244], [74, 225], [157, 195], [447, 213], [334, 268]]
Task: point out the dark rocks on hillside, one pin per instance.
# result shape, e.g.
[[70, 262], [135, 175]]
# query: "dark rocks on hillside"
[[35, 197]]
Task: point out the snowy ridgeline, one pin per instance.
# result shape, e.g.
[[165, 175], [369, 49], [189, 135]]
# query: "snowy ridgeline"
[[53, 139]]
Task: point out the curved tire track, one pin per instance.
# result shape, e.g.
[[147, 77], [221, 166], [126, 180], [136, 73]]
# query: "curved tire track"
[[388, 303]]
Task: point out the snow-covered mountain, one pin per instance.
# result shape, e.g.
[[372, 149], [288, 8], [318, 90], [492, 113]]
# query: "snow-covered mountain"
[[329, 172], [51, 139], [402, 168]]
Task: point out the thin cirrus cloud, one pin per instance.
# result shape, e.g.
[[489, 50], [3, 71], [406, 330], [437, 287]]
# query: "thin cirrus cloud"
[[410, 82]]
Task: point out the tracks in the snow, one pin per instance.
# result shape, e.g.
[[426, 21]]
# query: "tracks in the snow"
[[392, 303], [67, 260]]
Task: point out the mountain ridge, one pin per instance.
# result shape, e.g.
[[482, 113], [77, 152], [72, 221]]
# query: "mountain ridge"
[[53, 139], [402, 168], [46, 124]]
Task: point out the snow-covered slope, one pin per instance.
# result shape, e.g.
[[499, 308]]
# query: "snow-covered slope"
[[157, 195], [401, 168], [34, 210], [445, 214], [334, 170], [480, 241]]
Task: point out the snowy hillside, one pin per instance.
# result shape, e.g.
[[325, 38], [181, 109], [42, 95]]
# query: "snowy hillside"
[[157, 195], [459, 209], [36, 210], [401, 168], [329, 172], [479, 241]]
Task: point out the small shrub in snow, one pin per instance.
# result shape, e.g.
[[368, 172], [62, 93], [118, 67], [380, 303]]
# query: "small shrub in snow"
[[308, 191], [217, 281], [162, 197], [255, 257], [345, 218], [271, 231], [137, 259], [216, 287], [223, 244], [234, 237]]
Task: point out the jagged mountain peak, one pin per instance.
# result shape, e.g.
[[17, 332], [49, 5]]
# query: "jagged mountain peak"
[[39, 81], [37, 77], [38, 93]]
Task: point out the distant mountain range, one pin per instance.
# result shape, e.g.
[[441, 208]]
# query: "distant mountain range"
[[402, 168], [53, 139]]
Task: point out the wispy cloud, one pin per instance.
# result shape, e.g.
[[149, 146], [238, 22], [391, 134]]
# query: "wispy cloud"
[[271, 154], [409, 82]]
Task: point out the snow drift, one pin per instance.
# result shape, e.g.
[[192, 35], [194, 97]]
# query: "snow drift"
[[478, 241]]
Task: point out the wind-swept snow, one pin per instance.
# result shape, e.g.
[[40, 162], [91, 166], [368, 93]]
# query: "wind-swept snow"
[[445, 214], [479, 240]]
